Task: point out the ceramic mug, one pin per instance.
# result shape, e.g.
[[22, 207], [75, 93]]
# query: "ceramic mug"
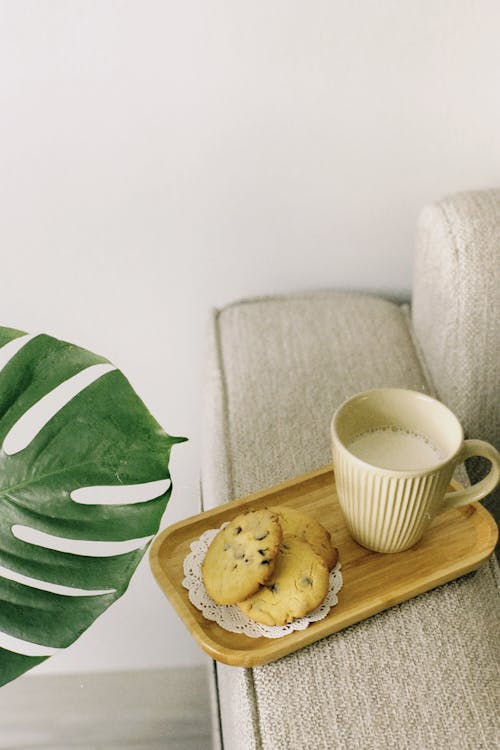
[[394, 454]]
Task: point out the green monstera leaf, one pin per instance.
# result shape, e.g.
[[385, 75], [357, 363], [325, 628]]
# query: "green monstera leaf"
[[84, 482]]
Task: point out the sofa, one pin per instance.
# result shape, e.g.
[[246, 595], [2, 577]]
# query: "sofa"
[[423, 674]]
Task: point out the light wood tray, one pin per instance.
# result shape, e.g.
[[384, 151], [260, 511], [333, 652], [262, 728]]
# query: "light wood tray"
[[457, 542]]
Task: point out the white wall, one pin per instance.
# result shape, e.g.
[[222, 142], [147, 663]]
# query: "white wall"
[[160, 158]]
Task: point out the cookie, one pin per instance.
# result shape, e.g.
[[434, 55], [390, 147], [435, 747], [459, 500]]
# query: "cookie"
[[299, 585], [242, 556], [305, 527]]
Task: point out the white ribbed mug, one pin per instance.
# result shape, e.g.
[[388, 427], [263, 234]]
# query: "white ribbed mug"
[[388, 509]]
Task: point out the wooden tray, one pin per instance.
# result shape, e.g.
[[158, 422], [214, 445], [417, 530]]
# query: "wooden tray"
[[457, 542]]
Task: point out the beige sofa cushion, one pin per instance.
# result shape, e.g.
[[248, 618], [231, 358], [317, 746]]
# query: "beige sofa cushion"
[[419, 676]]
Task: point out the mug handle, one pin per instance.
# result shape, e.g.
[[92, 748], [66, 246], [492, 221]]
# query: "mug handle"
[[486, 485]]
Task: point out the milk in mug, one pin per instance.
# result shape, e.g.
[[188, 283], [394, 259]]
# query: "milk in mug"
[[395, 448]]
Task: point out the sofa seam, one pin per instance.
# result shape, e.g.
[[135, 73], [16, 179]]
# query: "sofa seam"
[[317, 293], [405, 310], [258, 733], [224, 404], [260, 298], [229, 477], [220, 736], [229, 474], [213, 664]]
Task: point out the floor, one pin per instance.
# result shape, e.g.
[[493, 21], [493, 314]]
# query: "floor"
[[149, 710]]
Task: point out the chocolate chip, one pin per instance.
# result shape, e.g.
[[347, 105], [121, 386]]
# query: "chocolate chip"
[[262, 536], [237, 530]]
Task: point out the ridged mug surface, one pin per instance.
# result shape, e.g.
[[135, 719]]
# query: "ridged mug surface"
[[387, 513]]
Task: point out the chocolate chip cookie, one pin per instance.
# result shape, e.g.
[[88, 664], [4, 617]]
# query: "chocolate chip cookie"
[[242, 556], [299, 585]]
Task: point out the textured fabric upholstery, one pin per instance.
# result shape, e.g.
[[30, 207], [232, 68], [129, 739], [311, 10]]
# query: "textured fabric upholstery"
[[419, 676], [278, 368], [456, 310], [403, 680]]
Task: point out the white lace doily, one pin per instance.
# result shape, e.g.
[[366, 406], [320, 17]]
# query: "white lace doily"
[[229, 616]]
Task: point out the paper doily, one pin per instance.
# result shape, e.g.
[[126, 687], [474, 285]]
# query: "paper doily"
[[229, 616]]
